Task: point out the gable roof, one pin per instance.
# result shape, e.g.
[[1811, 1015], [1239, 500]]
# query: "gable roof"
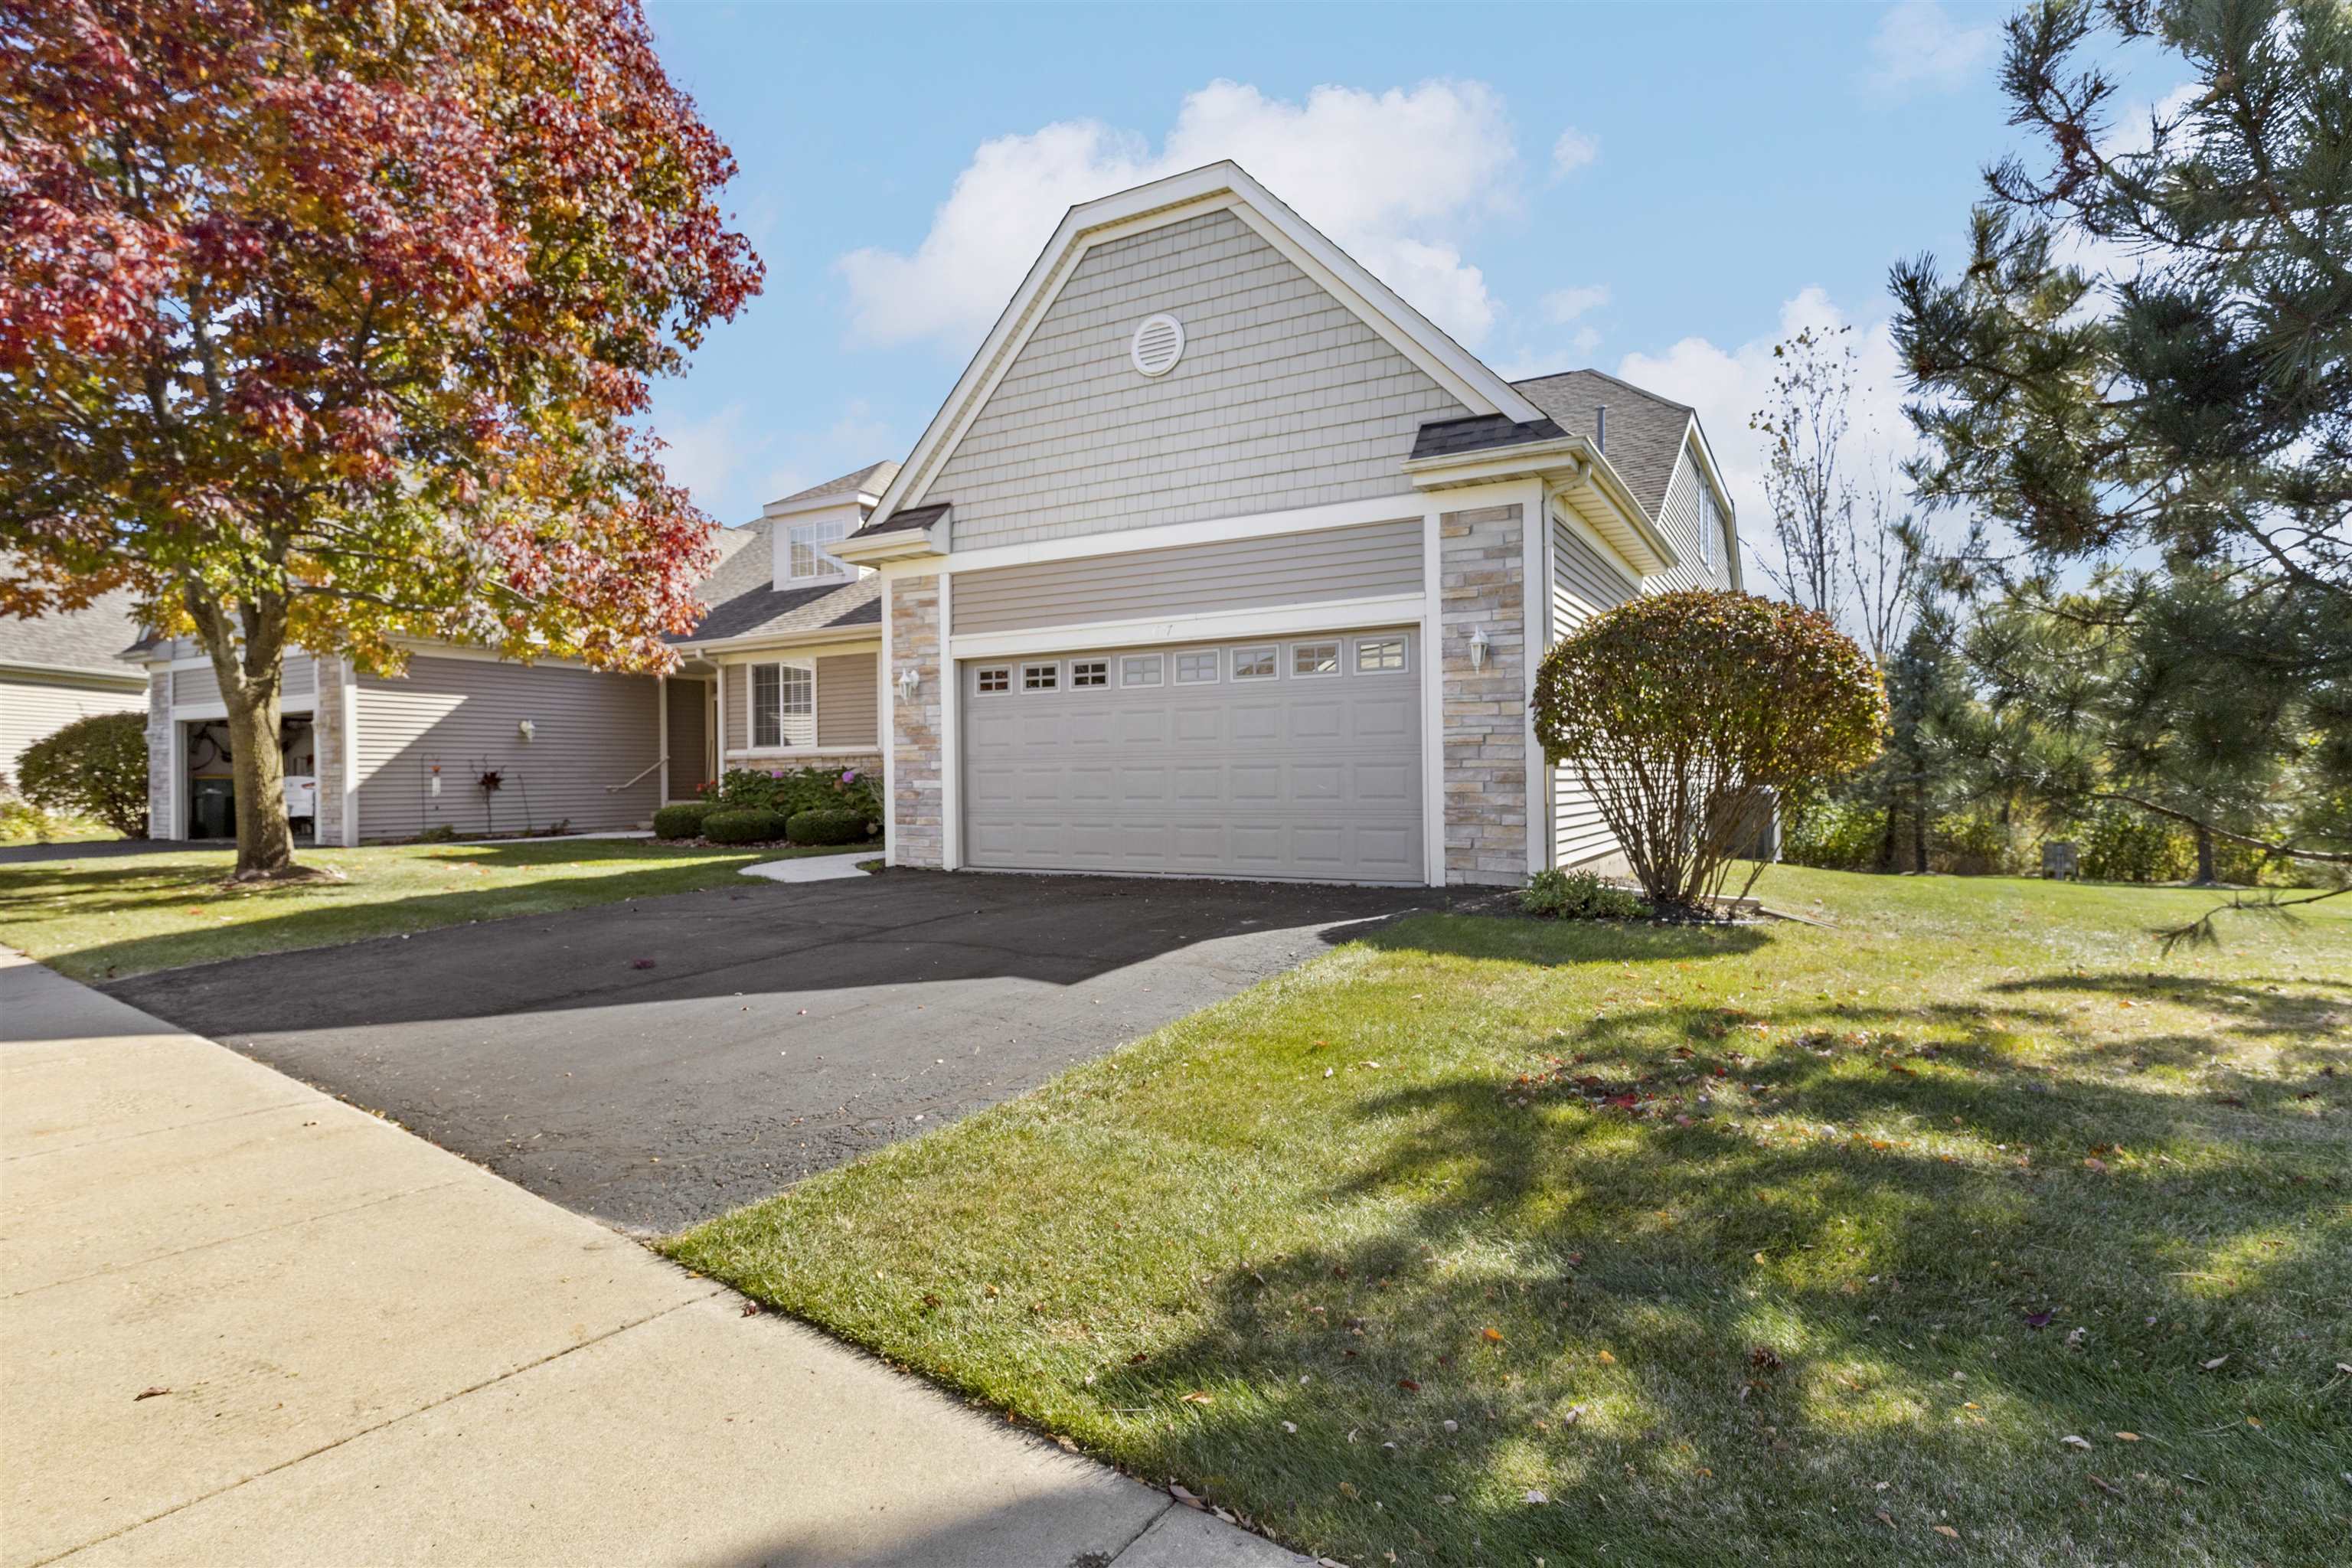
[[868, 481], [1646, 431], [745, 600], [1223, 184], [88, 641]]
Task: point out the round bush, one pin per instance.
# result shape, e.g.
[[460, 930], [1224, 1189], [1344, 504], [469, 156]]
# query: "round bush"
[[831, 826], [742, 826], [683, 821], [1686, 715], [93, 767]]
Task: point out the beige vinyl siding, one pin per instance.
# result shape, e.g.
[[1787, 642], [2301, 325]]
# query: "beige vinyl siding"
[[848, 699], [848, 702], [200, 684], [689, 736], [32, 709], [1367, 562], [1584, 584], [1284, 399], [1679, 521], [590, 731]]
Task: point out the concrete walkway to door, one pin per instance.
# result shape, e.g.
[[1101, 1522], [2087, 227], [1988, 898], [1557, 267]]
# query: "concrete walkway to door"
[[242, 1322]]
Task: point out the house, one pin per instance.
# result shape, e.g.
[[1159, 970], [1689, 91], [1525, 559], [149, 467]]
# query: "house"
[[57, 668], [789, 650], [1219, 559]]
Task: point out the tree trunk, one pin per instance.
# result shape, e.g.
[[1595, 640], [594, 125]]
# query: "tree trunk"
[[2205, 875], [1887, 840], [1919, 830], [252, 671]]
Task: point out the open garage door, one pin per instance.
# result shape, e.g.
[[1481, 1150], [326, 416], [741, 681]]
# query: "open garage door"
[[1297, 758]]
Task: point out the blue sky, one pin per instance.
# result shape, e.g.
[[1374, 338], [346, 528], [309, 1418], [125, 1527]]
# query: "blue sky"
[[1657, 190]]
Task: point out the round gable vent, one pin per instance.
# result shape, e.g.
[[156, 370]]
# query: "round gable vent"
[[1159, 344]]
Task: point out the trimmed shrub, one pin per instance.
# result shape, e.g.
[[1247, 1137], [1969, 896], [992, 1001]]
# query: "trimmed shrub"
[[93, 767], [791, 791], [682, 821], [745, 826], [1578, 896], [831, 826], [1684, 714]]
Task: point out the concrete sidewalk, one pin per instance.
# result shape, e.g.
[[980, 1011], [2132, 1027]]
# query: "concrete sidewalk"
[[245, 1322]]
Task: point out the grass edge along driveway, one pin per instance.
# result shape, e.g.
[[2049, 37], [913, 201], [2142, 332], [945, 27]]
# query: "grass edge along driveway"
[[110, 918], [1970, 1229]]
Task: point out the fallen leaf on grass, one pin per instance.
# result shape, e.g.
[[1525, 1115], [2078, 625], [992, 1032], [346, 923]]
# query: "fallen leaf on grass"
[[1535, 1498], [2215, 1364], [1197, 1397], [2127, 1437], [1948, 1529], [1605, 1359], [1409, 1386], [1886, 1519], [2075, 1442], [2040, 1319], [2108, 1486], [1492, 1336]]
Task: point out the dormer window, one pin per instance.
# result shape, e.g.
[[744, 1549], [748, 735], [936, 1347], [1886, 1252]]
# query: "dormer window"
[[810, 561]]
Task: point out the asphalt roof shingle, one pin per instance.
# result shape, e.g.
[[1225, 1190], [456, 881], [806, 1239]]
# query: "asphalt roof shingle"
[[744, 599], [871, 479], [92, 640], [1646, 431]]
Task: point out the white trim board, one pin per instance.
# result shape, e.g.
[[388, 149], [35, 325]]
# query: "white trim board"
[[950, 679], [1221, 625], [1219, 187], [1174, 535]]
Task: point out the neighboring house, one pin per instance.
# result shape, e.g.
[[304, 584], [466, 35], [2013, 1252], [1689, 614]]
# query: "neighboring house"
[[1219, 559], [1222, 559], [59, 668]]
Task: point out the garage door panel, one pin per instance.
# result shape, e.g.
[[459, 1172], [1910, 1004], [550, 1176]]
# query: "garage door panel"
[[1314, 777]]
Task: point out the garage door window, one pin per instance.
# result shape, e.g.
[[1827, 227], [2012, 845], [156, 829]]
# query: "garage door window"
[[1379, 655], [1040, 677], [1090, 672], [1141, 669], [996, 678], [1254, 663], [1197, 669], [1313, 659]]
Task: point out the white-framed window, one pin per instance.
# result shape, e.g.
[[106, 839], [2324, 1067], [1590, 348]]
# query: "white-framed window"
[[1090, 672], [1256, 663], [996, 678], [1041, 677], [808, 560], [1198, 668], [1141, 669], [1312, 658], [783, 704], [1379, 655], [1710, 525]]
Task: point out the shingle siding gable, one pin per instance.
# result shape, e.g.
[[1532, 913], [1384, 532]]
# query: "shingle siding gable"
[[1284, 399]]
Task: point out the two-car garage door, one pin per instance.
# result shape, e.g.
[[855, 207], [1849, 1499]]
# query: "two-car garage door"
[[1297, 757]]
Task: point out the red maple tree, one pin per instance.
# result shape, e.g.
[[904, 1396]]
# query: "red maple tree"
[[326, 324]]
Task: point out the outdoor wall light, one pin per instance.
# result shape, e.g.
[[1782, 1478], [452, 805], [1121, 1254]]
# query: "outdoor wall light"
[[528, 730], [1478, 648], [910, 680]]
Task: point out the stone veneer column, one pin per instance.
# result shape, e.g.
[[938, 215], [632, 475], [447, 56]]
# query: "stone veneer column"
[[158, 752], [1482, 586], [327, 720], [918, 800]]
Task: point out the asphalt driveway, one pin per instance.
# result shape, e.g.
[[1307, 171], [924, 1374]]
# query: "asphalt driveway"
[[658, 1062]]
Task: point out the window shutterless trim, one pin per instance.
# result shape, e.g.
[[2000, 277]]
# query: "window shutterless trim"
[[1216, 666], [1051, 669], [1129, 664], [1338, 656], [1089, 673], [1252, 652], [1001, 674], [1403, 655]]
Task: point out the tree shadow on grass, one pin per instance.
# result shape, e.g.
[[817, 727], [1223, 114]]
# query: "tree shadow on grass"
[[1716, 1339]]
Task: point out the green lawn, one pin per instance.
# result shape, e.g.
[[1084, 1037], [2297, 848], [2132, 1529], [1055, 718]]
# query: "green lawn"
[[1486, 1241], [107, 918]]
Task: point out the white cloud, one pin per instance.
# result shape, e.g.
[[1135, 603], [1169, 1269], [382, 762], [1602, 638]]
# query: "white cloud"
[[1563, 305], [1729, 385], [1920, 49], [1393, 177], [731, 472], [1573, 150]]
